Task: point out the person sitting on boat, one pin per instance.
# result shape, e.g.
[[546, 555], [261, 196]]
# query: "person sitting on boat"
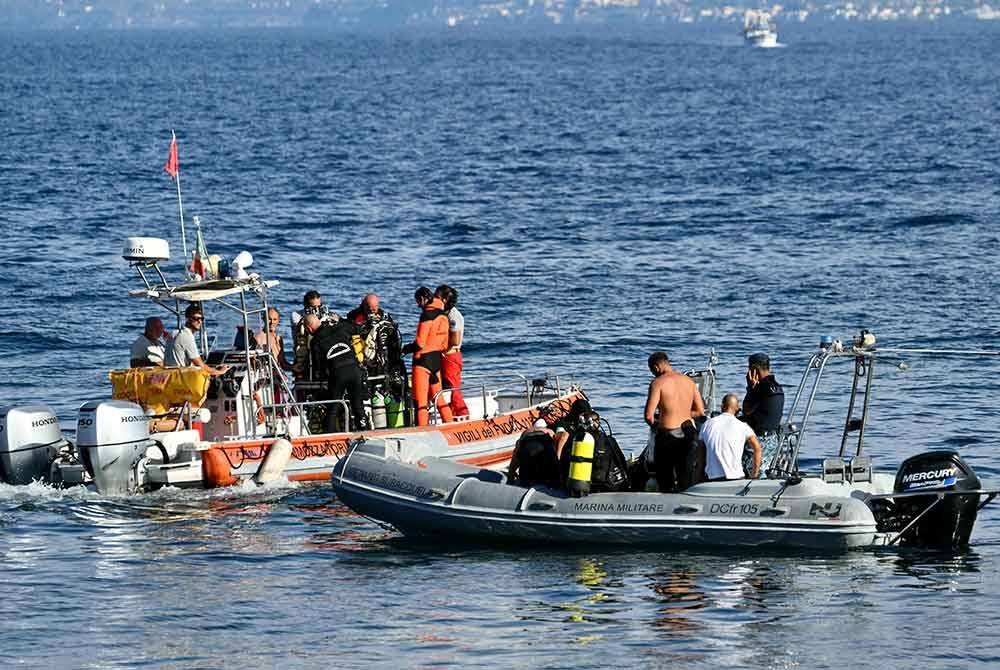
[[534, 461], [672, 405], [148, 349], [763, 406], [303, 366], [569, 422], [183, 350], [337, 344], [608, 466], [277, 343], [427, 348], [725, 438], [451, 361]]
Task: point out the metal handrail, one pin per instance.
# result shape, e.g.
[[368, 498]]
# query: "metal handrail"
[[301, 404]]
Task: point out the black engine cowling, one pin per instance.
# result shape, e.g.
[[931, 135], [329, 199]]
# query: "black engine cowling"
[[949, 523]]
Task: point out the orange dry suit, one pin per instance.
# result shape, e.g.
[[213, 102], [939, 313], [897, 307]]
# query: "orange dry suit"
[[430, 343]]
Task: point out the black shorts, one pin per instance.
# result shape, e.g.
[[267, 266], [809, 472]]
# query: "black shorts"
[[674, 452]]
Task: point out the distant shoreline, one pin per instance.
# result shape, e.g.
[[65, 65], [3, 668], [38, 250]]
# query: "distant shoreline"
[[485, 18]]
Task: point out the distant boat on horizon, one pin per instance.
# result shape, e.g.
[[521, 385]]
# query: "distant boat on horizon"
[[759, 29]]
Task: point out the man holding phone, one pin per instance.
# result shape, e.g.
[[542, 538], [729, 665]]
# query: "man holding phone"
[[762, 408]]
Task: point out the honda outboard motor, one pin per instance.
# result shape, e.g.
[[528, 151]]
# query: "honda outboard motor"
[[111, 437], [948, 524], [30, 440]]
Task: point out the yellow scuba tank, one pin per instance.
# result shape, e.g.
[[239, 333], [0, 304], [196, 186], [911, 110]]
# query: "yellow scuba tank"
[[359, 348], [581, 464]]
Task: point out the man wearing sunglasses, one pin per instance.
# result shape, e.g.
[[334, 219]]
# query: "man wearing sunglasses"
[[183, 349]]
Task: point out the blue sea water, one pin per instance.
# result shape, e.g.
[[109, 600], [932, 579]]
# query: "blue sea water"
[[594, 197]]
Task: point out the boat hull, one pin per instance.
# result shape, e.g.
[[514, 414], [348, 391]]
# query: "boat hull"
[[765, 40], [446, 500]]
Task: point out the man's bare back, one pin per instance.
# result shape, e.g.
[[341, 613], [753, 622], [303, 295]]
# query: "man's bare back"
[[676, 397]]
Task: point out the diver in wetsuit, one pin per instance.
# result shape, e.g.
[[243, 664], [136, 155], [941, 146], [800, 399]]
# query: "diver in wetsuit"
[[534, 461], [608, 466], [336, 344], [675, 396]]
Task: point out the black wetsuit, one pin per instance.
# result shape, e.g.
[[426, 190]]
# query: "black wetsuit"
[[534, 461], [673, 452], [333, 343]]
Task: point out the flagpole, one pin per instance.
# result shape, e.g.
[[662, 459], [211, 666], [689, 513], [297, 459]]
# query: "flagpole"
[[180, 206]]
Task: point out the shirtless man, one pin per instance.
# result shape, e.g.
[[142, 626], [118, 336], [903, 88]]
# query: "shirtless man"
[[675, 396]]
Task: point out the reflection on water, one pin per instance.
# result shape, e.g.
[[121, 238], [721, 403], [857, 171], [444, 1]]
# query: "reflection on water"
[[270, 560], [680, 594], [936, 571]]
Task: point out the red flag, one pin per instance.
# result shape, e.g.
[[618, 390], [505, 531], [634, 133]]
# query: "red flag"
[[172, 166]]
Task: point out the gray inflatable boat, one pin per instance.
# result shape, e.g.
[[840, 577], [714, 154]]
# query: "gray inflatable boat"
[[441, 498], [932, 500]]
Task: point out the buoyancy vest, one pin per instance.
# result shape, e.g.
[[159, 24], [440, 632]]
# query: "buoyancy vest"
[[610, 467], [534, 460], [432, 336]]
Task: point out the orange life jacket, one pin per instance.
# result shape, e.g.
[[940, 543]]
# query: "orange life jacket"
[[432, 330]]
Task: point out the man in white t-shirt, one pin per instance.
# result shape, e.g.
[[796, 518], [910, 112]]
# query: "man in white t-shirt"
[[148, 350], [725, 437]]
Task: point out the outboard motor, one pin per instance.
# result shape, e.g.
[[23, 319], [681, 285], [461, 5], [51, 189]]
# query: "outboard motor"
[[948, 524], [111, 437], [30, 440]]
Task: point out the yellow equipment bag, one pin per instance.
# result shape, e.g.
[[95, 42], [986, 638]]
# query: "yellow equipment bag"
[[159, 389]]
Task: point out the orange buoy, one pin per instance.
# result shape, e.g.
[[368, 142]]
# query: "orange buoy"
[[215, 469]]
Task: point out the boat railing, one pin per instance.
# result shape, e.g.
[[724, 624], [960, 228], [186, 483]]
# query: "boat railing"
[[530, 388], [301, 411], [864, 352], [793, 428]]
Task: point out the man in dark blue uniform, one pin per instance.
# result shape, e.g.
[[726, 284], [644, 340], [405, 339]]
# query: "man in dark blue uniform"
[[762, 409]]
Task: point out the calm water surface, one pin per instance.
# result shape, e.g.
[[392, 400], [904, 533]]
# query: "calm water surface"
[[593, 197]]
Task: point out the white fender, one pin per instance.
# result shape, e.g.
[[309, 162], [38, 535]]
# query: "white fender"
[[274, 463]]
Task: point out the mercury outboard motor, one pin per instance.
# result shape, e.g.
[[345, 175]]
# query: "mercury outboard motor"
[[948, 524], [111, 437], [30, 440]]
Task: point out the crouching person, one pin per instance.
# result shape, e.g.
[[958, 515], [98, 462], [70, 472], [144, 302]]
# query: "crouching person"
[[534, 462], [591, 460]]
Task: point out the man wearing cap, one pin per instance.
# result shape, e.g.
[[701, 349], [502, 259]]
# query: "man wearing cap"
[[762, 408]]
